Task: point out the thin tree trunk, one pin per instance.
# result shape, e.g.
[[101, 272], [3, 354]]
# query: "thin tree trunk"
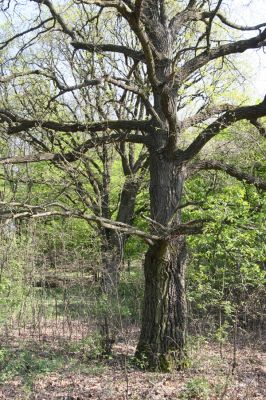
[[111, 262], [112, 259]]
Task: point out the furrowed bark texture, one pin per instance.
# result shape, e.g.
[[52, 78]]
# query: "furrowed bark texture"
[[163, 330], [162, 339]]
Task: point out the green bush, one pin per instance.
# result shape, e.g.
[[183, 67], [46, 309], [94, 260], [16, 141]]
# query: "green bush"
[[196, 388], [23, 362]]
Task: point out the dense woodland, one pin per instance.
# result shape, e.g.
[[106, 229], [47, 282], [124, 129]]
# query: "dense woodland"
[[132, 200]]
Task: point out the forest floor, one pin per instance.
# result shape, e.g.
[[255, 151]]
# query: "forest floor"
[[67, 367]]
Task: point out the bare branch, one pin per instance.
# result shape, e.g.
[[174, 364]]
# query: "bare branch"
[[9, 211], [208, 113], [100, 126], [220, 51], [209, 25], [29, 211], [136, 90], [98, 48], [239, 27], [32, 29], [137, 9], [76, 153], [56, 17], [228, 118], [193, 227], [148, 48], [6, 79], [67, 89], [27, 159], [230, 170]]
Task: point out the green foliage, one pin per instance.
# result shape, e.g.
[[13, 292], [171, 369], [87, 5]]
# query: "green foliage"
[[141, 361], [13, 287], [28, 363], [196, 389], [131, 290], [90, 347], [69, 242], [225, 270], [23, 362], [221, 334]]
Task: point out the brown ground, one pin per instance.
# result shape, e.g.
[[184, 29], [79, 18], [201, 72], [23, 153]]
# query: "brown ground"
[[80, 377]]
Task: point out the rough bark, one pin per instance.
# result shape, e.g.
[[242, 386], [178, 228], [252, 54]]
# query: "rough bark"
[[163, 335], [162, 339]]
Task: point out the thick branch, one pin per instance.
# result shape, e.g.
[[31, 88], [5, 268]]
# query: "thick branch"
[[148, 48], [27, 159], [193, 227], [6, 79], [139, 29], [208, 113], [114, 48], [220, 51], [188, 14], [228, 118], [100, 126], [230, 170], [15, 210]]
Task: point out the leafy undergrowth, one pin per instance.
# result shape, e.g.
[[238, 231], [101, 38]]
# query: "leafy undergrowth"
[[72, 370]]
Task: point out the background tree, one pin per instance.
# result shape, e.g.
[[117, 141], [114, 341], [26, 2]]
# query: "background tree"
[[85, 168], [165, 56]]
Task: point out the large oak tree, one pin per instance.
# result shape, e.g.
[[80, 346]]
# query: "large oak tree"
[[163, 55]]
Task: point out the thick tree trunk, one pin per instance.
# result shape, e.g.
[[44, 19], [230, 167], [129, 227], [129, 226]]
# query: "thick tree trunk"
[[162, 339]]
